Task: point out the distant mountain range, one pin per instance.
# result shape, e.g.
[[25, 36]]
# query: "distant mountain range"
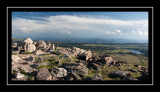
[[87, 40]]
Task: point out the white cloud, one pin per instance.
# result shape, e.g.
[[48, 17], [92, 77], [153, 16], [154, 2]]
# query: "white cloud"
[[76, 24], [115, 32], [140, 32]]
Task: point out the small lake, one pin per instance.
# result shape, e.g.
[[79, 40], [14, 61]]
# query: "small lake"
[[136, 52]]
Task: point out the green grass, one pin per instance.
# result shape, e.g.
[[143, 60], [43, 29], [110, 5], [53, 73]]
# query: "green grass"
[[31, 77], [27, 53], [14, 54], [23, 72], [106, 70], [44, 66], [47, 54]]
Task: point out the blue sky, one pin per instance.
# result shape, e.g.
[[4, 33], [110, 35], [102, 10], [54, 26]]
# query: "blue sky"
[[133, 25]]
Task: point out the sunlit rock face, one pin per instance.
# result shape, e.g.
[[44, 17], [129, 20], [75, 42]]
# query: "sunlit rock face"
[[41, 45], [28, 45]]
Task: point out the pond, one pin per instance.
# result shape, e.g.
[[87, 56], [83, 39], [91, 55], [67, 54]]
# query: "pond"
[[136, 52]]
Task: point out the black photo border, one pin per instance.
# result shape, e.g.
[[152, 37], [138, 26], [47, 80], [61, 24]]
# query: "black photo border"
[[11, 9]]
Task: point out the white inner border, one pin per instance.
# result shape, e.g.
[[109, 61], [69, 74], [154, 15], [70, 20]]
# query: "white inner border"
[[82, 84]]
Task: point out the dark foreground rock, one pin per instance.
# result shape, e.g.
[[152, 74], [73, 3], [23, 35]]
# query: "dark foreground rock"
[[43, 74], [73, 76], [79, 68], [94, 66], [60, 72], [120, 74], [96, 77]]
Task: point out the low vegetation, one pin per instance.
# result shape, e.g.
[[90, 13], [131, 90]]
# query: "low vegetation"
[[119, 52]]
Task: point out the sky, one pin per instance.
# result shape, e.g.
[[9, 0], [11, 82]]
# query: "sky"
[[105, 25]]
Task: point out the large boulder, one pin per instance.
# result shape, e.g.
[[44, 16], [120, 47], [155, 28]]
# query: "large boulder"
[[73, 76], [41, 45], [79, 68], [88, 55], [52, 47], [82, 54], [108, 61], [94, 66], [28, 45], [97, 77], [15, 58], [48, 46], [43, 74], [19, 75], [60, 72]]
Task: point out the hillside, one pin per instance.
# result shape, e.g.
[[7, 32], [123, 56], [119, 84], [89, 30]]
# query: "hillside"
[[46, 61]]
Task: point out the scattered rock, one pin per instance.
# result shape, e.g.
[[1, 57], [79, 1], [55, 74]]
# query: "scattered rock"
[[73, 76], [108, 61], [60, 72], [142, 69], [94, 66], [79, 68], [117, 64], [52, 47], [97, 77], [88, 55], [19, 75], [15, 58], [83, 62], [120, 74], [43, 74]]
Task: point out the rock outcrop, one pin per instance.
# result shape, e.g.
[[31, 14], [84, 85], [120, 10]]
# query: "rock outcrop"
[[52, 47], [28, 45], [60, 72], [19, 75], [94, 66], [80, 53], [41, 45], [79, 68], [96, 77], [15, 58], [73, 76], [43, 74]]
